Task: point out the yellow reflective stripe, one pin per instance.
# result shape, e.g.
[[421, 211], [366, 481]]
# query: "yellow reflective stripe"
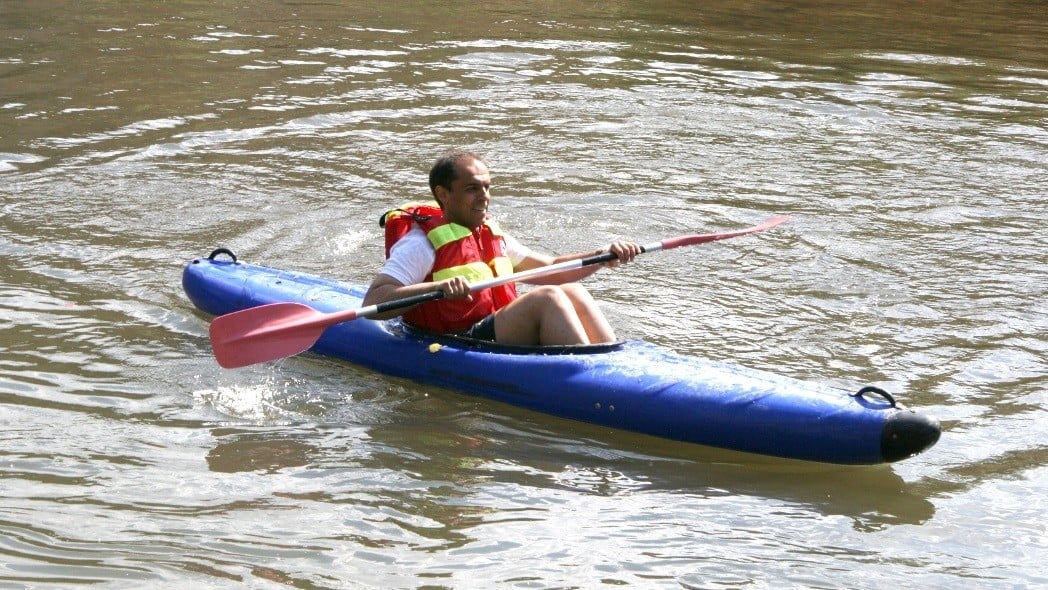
[[447, 233], [503, 266], [473, 272]]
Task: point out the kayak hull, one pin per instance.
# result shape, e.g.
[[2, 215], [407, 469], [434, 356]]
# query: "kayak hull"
[[634, 385]]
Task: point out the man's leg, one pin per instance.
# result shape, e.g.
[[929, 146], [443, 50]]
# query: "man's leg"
[[598, 330], [544, 315]]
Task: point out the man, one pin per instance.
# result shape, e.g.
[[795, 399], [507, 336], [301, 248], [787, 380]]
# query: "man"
[[439, 253]]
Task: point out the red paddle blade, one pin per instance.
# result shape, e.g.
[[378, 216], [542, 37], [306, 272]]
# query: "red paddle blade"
[[704, 238], [265, 333]]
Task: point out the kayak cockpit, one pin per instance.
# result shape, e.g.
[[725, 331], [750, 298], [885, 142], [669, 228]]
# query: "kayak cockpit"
[[398, 327]]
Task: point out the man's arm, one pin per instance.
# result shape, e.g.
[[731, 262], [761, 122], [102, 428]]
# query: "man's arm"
[[385, 288], [403, 274], [625, 251]]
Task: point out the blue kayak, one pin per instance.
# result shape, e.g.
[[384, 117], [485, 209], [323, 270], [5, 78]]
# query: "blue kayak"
[[633, 385]]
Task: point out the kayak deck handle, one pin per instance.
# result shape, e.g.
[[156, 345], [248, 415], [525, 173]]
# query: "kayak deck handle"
[[219, 251], [878, 391]]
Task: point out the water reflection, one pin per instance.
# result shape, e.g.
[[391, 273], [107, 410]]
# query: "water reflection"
[[439, 478], [483, 450], [268, 452]]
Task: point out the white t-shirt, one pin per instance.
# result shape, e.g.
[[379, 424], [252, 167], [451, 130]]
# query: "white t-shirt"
[[412, 257]]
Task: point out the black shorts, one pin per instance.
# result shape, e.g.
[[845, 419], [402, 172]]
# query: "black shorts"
[[482, 330]]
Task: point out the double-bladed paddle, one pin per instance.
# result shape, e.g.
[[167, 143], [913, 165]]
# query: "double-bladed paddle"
[[277, 330]]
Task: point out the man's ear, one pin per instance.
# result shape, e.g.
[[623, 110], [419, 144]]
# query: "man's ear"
[[440, 193]]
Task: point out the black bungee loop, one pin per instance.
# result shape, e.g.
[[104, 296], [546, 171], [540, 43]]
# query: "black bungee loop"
[[415, 215], [878, 391], [219, 251]]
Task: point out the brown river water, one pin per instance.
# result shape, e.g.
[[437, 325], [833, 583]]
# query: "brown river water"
[[909, 140]]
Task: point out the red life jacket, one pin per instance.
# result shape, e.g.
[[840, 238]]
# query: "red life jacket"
[[477, 255]]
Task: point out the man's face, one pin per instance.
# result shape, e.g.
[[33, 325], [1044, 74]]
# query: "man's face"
[[466, 203]]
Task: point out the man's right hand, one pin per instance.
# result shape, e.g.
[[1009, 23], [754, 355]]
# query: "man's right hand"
[[454, 288]]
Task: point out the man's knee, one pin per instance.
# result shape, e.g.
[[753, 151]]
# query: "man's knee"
[[576, 293], [550, 294]]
